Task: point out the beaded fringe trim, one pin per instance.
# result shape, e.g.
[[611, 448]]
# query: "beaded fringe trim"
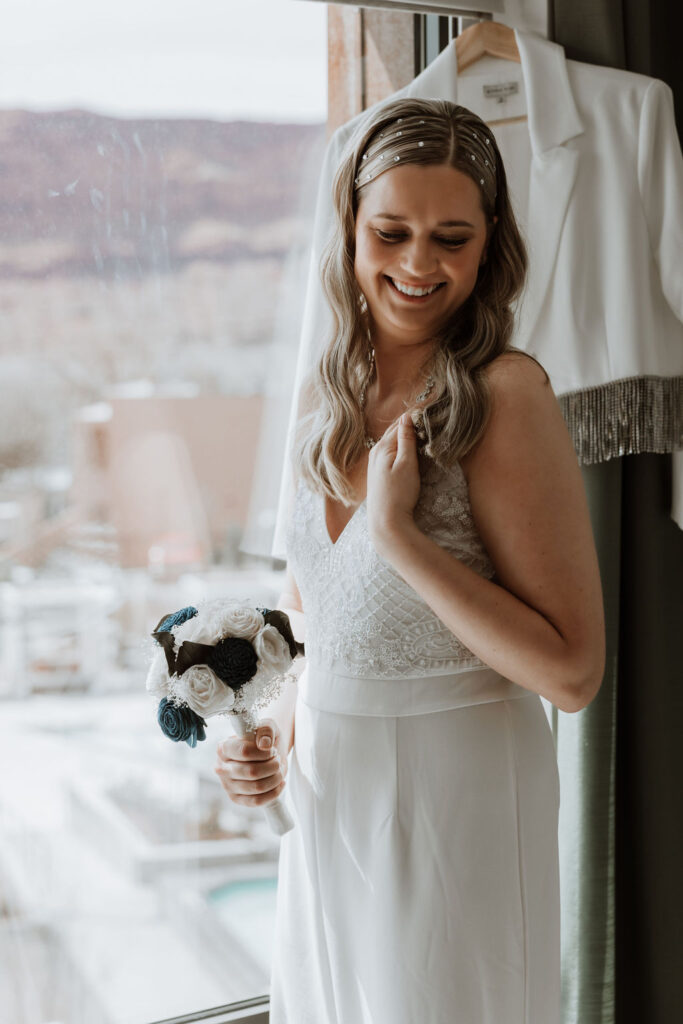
[[625, 417]]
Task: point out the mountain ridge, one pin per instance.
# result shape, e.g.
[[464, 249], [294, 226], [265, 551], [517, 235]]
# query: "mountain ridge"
[[90, 194]]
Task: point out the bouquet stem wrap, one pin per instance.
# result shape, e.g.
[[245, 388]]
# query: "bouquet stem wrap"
[[277, 813]]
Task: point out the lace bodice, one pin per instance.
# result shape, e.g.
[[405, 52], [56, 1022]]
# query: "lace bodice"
[[362, 618]]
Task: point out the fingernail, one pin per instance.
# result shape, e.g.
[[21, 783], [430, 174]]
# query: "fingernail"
[[264, 742]]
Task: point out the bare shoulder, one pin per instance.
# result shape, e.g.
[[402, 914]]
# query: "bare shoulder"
[[515, 375], [529, 504], [522, 404], [525, 451]]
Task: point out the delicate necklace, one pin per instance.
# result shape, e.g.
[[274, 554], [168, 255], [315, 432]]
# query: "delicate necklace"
[[370, 442]]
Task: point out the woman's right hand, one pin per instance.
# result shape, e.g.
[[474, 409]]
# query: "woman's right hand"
[[252, 769]]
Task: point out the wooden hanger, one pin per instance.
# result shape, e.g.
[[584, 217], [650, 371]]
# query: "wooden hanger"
[[487, 39]]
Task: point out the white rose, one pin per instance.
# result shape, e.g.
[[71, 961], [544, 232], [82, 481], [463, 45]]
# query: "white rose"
[[157, 677], [220, 619], [205, 693], [272, 650]]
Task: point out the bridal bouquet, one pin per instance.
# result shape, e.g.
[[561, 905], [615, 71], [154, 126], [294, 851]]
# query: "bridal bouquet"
[[224, 658]]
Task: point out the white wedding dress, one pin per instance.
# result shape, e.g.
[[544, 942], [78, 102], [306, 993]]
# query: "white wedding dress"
[[420, 884]]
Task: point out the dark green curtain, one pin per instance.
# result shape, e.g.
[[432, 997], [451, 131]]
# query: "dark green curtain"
[[621, 769], [635, 35]]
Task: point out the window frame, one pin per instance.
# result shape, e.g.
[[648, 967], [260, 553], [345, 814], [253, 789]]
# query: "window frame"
[[247, 1011], [432, 33]]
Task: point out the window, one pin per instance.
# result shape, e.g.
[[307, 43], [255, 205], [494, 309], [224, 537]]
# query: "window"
[[155, 206]]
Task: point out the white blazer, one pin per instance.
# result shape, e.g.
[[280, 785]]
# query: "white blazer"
[[600, 203]]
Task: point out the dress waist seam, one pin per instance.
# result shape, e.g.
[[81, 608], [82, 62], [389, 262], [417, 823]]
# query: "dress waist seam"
[[324, 689]]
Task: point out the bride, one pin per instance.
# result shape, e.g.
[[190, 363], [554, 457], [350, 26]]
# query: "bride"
[[441, 555]]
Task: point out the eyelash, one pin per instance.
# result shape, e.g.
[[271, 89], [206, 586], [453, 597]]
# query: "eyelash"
[[450, 243]]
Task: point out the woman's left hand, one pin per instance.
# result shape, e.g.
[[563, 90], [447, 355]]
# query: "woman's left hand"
[[393, 483]]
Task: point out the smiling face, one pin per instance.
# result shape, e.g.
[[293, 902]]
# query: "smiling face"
[[421, 234]]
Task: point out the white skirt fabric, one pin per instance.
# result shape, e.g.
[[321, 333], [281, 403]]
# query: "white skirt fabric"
[[420, 884]]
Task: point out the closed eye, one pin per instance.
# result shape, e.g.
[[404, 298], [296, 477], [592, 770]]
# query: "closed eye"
[[453, 243], [397, 236], [390, 236]]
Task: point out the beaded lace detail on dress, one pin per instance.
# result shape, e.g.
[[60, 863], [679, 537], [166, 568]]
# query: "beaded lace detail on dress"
[[362, 618]]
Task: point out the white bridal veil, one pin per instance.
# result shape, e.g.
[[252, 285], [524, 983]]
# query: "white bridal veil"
[[301, 325], [305, 313]]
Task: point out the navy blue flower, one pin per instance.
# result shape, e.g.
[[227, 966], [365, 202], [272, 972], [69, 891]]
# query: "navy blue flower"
[[180, 723]]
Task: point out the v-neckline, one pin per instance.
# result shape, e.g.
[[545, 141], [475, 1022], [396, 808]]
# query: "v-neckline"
[[323, 507]]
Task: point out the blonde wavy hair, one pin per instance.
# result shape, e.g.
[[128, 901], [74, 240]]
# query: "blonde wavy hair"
[[330, 435]]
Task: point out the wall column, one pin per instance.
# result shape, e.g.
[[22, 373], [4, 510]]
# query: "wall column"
[[371, 55]]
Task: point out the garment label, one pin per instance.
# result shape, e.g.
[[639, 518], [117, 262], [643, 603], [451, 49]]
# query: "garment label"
[[501, 91]]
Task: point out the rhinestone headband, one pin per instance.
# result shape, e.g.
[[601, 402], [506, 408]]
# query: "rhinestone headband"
[[372, 163]]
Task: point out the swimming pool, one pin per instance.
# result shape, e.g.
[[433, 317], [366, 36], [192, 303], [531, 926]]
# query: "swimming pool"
[[247, 908]]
